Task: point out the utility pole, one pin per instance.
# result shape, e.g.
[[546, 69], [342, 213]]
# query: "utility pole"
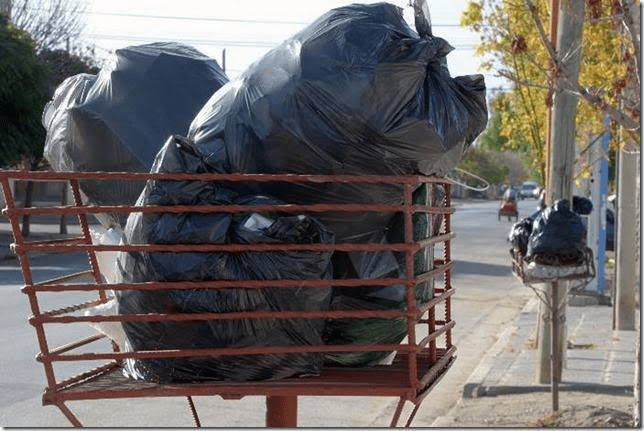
[[626, 258], [561, 144]]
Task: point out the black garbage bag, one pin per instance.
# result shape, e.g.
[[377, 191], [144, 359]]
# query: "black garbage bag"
[[582, 205], [558, 237], [118, 120], [356, 92], [520, 233], [244, 228], [373, 265]]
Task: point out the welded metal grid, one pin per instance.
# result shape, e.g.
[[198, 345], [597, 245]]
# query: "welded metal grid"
[[419, 364]]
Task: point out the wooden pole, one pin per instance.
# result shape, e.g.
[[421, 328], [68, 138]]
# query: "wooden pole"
[[569, 16], [627, 262]]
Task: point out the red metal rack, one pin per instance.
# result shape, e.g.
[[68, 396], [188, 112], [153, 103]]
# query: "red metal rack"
[[419, 362]]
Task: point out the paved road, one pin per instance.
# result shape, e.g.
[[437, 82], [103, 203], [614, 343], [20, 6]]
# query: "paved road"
[[487, 298]]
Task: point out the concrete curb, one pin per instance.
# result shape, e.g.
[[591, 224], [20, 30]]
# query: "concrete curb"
[[474, 383]]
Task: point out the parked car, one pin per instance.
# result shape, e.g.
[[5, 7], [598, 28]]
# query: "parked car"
[[529, 189]]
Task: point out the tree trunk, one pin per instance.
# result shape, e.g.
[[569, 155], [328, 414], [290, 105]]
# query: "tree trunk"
[[561, 144], [29, 192], [63, 202]]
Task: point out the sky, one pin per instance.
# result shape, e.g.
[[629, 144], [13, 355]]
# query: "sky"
[[247, 29]]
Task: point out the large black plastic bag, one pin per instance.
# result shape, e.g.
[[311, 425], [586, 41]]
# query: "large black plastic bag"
[[356, 92], [558, 236], [119, 119], [179, 156]]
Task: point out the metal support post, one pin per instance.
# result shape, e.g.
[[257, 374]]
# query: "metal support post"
[[281, 411]]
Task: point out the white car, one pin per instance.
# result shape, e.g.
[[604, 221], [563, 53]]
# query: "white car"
[[529, 189]]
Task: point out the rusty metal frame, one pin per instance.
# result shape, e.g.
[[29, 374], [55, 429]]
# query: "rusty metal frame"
[[519, 266], [416, 369]]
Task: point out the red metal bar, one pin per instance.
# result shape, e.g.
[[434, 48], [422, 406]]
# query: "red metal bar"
[[193, 409], [51, 317], [397, 413], [230, 351], [412, 415], [71, 417], [53, 286], [82, 377], [448, 258], [210, 209], [232, 248], [28, 277], [433, 336], [82, 218], [412, 309], [74, 345], [230, 177], [281, 411]]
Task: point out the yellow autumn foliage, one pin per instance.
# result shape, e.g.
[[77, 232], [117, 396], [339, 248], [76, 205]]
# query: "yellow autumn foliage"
[[511, 46]]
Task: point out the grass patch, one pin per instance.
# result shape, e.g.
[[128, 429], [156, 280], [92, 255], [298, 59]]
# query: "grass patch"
[[550, 421]]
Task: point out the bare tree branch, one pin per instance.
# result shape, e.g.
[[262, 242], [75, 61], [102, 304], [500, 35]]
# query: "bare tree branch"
[[51, 23], [615, 114], [520, 82], [542, 33]]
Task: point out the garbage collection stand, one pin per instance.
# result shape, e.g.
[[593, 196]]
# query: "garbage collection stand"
[[420, 360]]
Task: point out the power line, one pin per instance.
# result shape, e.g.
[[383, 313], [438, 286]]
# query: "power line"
[[194, 18], [213, 19], [236, 43], [212, 42]]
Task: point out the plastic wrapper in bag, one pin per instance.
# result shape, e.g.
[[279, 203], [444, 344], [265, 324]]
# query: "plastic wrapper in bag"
[[356, 92], [558, 237], [520, 233], [118, 120], [179, 156], [106, 259]]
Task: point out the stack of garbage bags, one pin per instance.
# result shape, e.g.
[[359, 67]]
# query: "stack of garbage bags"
[[356, 92]]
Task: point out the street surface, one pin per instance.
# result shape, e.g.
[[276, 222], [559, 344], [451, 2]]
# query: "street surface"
[[487, 297]]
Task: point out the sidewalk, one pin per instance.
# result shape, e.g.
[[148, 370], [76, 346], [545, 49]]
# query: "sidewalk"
[[599, 363]]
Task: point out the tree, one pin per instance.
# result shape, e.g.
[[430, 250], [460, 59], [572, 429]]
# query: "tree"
[[491, 139], [511, 154], [29, 81], [52, 24], [485, 164], [517, 47], [63, 64], [23, 94]]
